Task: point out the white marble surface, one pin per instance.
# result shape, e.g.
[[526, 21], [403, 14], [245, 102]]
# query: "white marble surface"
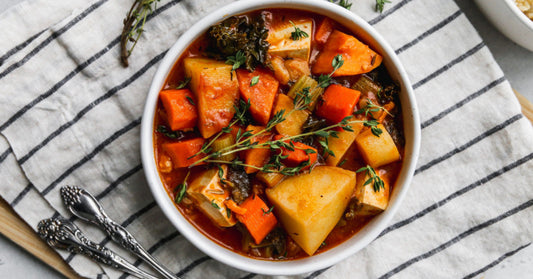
[[517, 64]]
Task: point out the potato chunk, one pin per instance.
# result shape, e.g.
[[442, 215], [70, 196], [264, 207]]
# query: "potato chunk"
[[208, 194], [310, 205], [377, 151], [216, 90], [371, 202], [292, 125], [342, 143], [282, 43]]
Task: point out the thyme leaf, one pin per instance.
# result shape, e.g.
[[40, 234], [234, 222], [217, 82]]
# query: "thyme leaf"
[[380, 4], [254, 80], [134, 27], [377, 182], [190, 100], [298, 33], [183, 83]]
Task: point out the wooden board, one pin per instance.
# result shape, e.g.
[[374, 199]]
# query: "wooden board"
[[14, 228]]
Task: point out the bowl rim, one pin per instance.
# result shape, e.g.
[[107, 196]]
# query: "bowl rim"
[[335, 254], [526, 21]]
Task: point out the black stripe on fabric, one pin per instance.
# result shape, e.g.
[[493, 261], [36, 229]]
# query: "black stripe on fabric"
[[477, 139], [316, 273], [192, 265], [463, 102], [4, 154], [496, 262], [92, 105], [457, 194], [432, 30], [77, 70], [456, 239], [119, 180], [19, 47], [93, 153], [249, 276], [126, 223], [55, 215], [388, 12], [54, 35], [449, 65], [100, 276], [21, 195]]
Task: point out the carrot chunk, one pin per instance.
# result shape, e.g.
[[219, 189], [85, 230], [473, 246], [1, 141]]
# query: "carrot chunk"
[[257, 219], [260, 87], [301, 153], [337, 102], [358, 57], [323, 30], [257, 157], [181, 111], [181, 152]]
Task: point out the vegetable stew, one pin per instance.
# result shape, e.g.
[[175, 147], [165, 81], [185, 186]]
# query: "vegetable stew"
[[278, 134]]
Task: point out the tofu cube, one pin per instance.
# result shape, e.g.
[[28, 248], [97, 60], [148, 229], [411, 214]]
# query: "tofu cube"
[[282, 44], [371, 202], [208, 194], [310, 205], [377, 151]]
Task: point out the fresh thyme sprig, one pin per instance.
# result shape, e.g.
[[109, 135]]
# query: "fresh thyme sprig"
[[298, 33], [182, 189], [374, 178], [134, 26], [380, 4], [325, 80], [183, 83], [343, 3], [371, 107]]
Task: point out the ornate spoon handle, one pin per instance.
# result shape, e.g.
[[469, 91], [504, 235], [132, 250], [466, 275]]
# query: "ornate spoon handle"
[[82, 204], [63, 234]]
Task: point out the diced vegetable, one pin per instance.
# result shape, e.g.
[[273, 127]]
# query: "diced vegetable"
[[280, 71], [207, 192], [364, 84], [261, 93], [301, 153], [270, 179], [339, 145], [297, 68], [282, 43], [358, 57], [216, 91], [258, 219], [292, 125], [382, 114], [222, 142], [310, 205], [371, 202], [314, 91], [180, 108], [232, 205], [323, 30], [337, 103], [181, 152], [377, 151], [257, 156], [165, 164]]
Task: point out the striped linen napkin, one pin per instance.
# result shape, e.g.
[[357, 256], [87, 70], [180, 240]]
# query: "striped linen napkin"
[[70, 114]]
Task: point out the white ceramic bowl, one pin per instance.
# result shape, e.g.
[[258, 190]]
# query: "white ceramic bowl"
[[513, 23], [411, 129]]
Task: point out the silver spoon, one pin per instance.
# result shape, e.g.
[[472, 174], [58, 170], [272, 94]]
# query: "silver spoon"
[[63, 234], [82, 204]]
